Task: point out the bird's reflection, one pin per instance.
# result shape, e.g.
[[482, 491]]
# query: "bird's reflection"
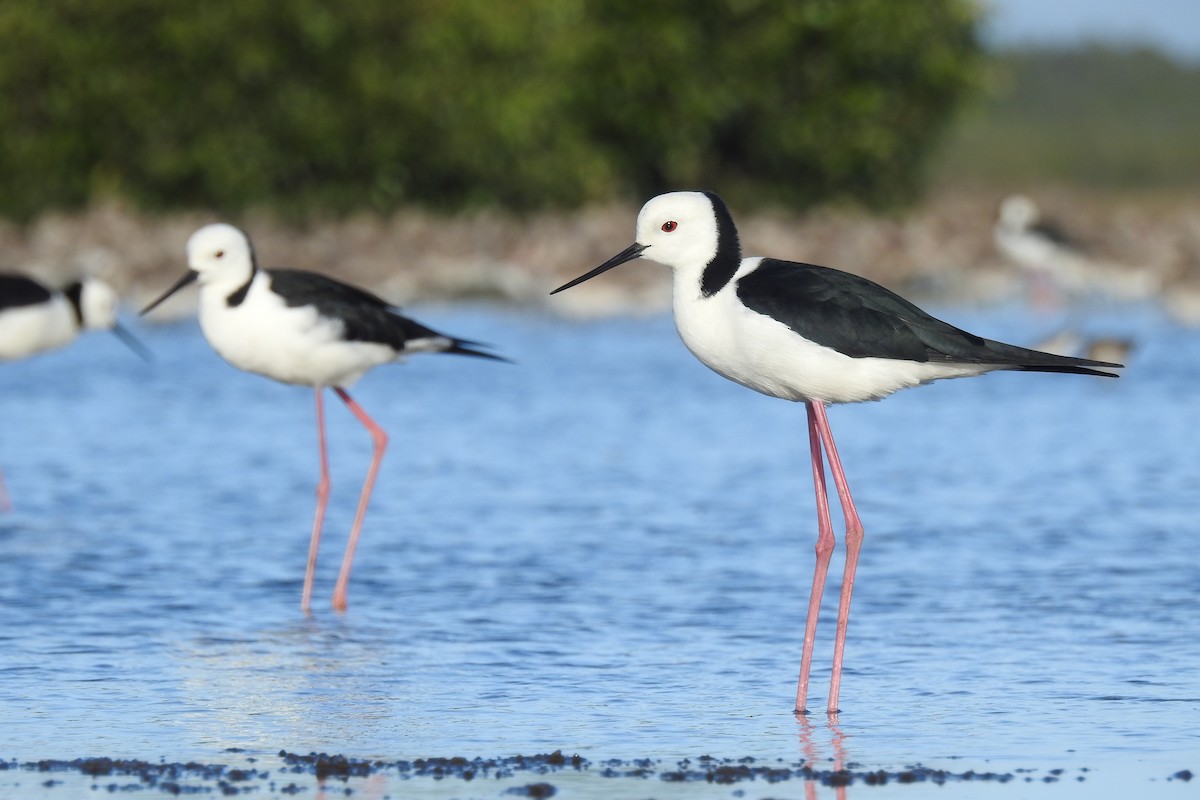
[[821, 744], [373, 787]]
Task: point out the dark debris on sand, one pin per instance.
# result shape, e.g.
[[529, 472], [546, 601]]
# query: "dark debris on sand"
[[726, 771], [176, 778], [325, 766], [194, 778]]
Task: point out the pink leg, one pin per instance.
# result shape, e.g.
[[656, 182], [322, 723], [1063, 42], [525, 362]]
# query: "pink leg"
[[322, 502], [854, 537], [380, 439], [824, 552]]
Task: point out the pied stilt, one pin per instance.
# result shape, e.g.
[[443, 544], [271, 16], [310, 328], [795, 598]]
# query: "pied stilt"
[[308, 329], [813, 334], [35, 318]]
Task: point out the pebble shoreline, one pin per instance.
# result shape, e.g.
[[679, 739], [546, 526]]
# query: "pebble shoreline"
[[941, 249]]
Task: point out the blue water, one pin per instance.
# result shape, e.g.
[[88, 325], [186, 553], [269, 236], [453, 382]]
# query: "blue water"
[[604, 549]]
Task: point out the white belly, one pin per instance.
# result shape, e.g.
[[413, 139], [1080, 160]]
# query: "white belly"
[[26, 330], [292, 345]]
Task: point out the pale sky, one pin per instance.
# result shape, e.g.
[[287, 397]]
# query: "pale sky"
[[1173, 25]]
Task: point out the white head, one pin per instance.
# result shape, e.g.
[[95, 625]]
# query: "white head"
[[220, 253], [686, 231], [97, 304], [217, 254], [679, 229], [1018, 212]]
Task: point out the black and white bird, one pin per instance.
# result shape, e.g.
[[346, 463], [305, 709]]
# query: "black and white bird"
[[810, 334], [308, 329], [1035, 243], [35, 318]]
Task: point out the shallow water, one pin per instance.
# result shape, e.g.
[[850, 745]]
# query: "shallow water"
[[604, 549]]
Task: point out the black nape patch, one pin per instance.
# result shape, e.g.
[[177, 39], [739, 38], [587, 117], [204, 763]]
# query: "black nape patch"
[[234, 300], [74, 293], [725, 263]]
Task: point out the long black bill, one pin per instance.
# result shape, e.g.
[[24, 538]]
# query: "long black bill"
[[187, 278], [128, 338], [628, 254]]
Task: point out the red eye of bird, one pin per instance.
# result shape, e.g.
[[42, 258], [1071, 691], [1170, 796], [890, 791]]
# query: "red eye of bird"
[[219, 254], [670, 225]]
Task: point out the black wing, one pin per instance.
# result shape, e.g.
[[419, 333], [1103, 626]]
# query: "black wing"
[[860, 318], [18, 290], [1055, 233], [365, 316]]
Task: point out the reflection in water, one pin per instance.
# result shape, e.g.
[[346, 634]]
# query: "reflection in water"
[[261, 690], [372, 787], [813, 737]]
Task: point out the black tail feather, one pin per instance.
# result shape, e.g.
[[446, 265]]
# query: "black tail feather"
[[466, 347], [1073, 369], [459, 347], [1024, 359]]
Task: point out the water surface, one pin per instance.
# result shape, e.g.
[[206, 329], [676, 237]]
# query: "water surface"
[[604, 549]]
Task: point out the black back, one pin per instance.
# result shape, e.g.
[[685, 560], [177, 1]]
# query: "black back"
[[18, 290], [861, 319], [364, 316], [1055, 233]]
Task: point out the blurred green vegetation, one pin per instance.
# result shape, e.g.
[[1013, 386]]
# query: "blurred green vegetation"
[[309, 108], [1091, 116]]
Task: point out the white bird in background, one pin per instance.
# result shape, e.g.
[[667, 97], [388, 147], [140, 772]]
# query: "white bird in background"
[[35, 318], [809, 334], [1060, 266], [308, 329]]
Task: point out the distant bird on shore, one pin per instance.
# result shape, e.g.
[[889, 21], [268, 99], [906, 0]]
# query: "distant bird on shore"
[[807, 333], [35, 318], [1060, 266], [1072, 342], [308, 329]]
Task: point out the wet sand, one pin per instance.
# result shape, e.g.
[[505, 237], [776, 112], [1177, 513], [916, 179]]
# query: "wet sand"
[[523, 776]]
